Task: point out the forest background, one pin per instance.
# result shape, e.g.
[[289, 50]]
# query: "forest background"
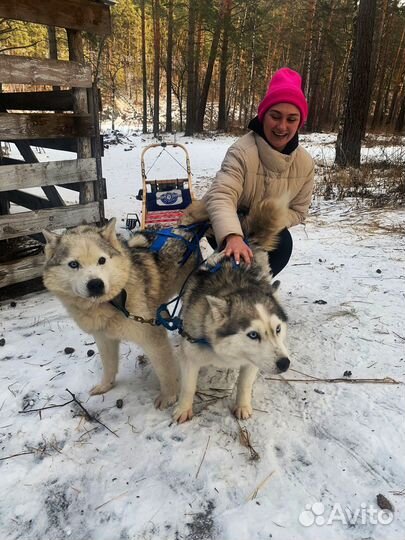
[[193, 66]]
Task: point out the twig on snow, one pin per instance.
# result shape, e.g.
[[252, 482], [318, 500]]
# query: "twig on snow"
[[244, 437], [15, 455], [311, 378], [203, 457], [110, 500], [88, 416], [254, 493]]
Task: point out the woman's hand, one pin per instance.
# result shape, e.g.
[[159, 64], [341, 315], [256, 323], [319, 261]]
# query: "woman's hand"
[[235, 245]]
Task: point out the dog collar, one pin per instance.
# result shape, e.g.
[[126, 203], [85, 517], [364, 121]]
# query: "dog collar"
[[119, 302]]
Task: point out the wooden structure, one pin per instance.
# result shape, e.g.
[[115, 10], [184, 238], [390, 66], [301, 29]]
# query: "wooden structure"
[[61, 119]]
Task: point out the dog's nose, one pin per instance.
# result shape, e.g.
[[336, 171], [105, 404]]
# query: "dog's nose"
[[95, 287], [283, 364]]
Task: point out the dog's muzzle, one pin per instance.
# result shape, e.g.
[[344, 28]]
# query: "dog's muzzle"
[[283, 364], [95, 287]]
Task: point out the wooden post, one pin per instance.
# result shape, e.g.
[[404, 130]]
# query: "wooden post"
[[80, 105], [99, 186], [53, 47]]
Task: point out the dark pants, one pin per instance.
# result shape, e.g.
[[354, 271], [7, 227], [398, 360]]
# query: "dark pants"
[[278, 258]]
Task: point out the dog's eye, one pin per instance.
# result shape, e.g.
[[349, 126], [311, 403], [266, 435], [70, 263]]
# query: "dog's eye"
[[253, 335], [278, 329], [101, 260], [74, 264]]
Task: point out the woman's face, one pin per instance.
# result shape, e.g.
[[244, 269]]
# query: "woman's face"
[[280, 124]]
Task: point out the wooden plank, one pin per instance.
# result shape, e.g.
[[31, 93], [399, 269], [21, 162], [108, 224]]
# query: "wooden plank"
[[10, 161], [26, 223], [26, 200], [47, 174], [30, 157], [26, 70], [67, 145], [62, 100], [21, 270], [19, 126], [77, 14]]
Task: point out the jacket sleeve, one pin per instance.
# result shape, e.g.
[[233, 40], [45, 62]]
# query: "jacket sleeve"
[[222, 198], [299, 205]]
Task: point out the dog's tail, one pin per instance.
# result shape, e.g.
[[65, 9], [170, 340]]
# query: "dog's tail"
[[195, 213], [265, 221]]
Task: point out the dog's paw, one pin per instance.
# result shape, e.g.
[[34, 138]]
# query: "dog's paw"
[[243, 412], [182, 414], [101, 388], [163, 401]]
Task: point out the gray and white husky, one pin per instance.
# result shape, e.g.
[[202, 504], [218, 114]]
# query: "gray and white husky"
[[89, 268], [231, 317]]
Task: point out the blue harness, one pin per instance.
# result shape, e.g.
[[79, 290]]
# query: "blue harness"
[[192, 245], [173, 322]]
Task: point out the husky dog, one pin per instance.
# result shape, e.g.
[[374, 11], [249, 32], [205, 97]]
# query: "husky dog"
[[230, 315], [89, 269]]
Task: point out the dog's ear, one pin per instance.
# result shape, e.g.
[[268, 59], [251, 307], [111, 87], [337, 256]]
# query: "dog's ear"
[[52, 241], [108, 231], [109, 234], [275, 286], [50, 237], [218, 307]]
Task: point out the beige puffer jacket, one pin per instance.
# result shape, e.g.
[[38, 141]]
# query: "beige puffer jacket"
[[251, 171]]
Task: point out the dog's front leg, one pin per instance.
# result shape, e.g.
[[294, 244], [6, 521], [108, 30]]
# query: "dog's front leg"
[[189, 374], [108, 349], [158, 349], [243, 406]]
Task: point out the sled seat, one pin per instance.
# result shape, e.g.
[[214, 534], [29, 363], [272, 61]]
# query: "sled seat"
[[165, 207], [163, 219]]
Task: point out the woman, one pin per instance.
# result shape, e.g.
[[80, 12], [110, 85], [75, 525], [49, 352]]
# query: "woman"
[[266, 162]]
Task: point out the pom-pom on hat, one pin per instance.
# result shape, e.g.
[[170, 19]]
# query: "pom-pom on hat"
[[284, 87]]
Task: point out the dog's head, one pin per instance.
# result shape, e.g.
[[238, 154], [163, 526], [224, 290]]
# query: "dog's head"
[[86, 262], [250, 327]]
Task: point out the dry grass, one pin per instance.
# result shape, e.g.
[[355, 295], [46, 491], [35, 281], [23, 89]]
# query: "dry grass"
[[378, 183]]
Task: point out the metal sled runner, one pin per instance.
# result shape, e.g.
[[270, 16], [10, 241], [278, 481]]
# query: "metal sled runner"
[[164, 200]]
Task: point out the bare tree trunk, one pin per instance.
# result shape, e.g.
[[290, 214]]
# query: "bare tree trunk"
[[327, 109], [348, 145], [191, 83], [144, 75], [236, 74], [400, 120], [315, 79], [198, 47], [306, 72], [169, 66], [251, 91], [156, 65], [208, 74], [222, 119]]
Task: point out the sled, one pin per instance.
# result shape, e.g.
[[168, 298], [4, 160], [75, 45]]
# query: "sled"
[[164, 200]]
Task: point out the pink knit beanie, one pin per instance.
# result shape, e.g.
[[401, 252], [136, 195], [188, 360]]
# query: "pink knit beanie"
[[284, 87]]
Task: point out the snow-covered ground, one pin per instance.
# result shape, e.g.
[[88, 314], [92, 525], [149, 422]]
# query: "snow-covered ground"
[[334, 445]]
